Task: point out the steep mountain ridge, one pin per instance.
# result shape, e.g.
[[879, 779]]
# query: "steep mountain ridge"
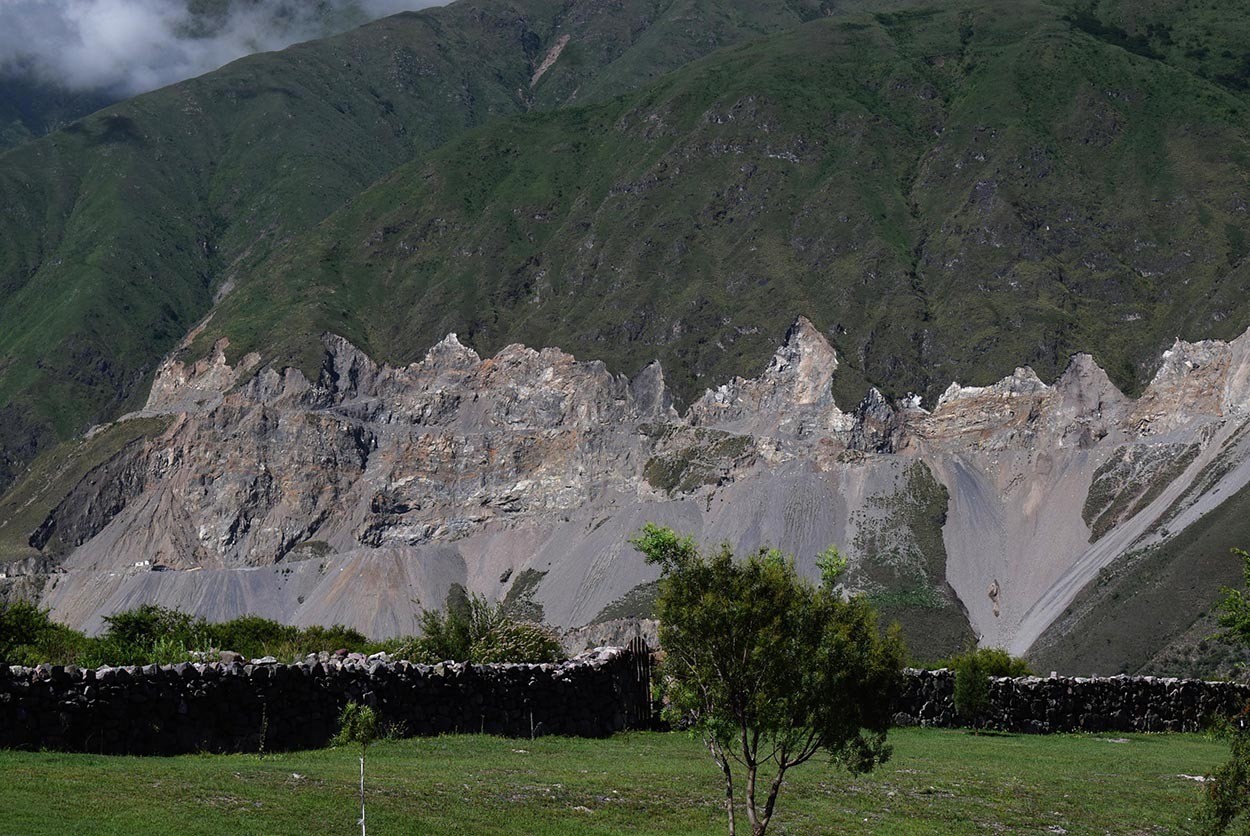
[[354, 496], [118, 233], [946, 190]]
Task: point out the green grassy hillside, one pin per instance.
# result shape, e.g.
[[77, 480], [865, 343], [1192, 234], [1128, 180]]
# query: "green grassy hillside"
[[949, 191], [117, 233]]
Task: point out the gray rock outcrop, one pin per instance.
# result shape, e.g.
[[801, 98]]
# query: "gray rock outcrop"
[[366, 493]]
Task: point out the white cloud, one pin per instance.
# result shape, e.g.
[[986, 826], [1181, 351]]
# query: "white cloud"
[[130, 46]]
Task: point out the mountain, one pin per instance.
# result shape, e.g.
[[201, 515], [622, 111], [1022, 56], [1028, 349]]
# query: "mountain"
[[947, 191], [1041, 200], [369, 491], [120, 232]]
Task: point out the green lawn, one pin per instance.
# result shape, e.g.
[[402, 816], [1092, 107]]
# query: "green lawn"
[[937, 782]]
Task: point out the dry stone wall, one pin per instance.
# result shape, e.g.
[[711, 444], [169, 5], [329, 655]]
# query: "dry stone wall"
[[172, 709], [1070, 704], [191, 707]]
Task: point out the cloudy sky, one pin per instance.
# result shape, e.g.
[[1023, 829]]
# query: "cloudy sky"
[[126, 47]]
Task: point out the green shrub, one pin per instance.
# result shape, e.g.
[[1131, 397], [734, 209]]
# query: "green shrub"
[[159, 635], [251, 635], [448, 634], [472, 629], [21, 625], [28, 636], [399, 647], [254, 636], [518, 641], [973, 670], [134, 636], [169, 650], [60, 645], [337, 637], [993, 661]]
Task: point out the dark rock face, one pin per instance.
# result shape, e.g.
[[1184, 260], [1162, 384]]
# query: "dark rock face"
[[93, 503], [236, 707], [877, 425], [1075, 704]]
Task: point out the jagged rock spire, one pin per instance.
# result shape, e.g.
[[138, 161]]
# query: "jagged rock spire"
[[793, 396], [450, 352]]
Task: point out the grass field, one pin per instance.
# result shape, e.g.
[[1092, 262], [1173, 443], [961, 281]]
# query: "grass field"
[[938, 782]]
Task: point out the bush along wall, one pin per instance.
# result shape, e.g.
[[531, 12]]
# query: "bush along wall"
[[1067, 704], [220, 707]]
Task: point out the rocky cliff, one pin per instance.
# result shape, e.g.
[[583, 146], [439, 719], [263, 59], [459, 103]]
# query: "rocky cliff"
[[366, 493]]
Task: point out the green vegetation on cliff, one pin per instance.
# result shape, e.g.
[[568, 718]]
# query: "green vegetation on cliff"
[[118, 233], [904, 566], [947, 190], [1152, 611]]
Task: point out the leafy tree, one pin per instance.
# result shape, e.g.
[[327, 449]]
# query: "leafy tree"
[[22, 624], [972, 691], [1227, 798], [1234, 608], [1227, 801], [768, 668], [358, 725], [832, 565], [973, 670]]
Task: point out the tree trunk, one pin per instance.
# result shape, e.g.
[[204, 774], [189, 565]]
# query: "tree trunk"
[[362, 795], [760, 824], [756, 828], [723, 762]]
